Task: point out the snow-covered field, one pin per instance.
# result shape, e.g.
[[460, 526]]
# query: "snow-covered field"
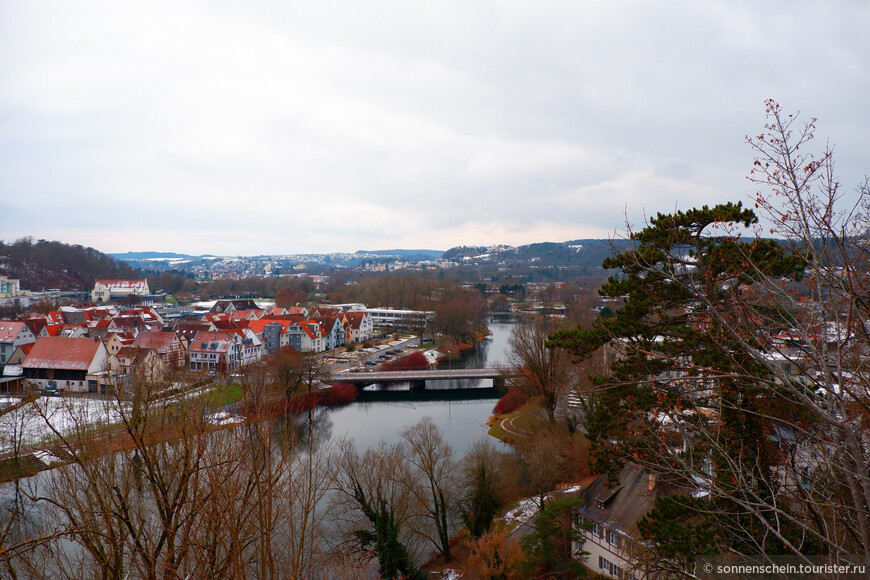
[[32, 424]]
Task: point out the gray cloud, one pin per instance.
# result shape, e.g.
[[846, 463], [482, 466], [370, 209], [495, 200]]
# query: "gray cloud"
[[291, 127]]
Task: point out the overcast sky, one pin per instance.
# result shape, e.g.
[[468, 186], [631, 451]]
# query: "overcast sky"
[[288, 127]]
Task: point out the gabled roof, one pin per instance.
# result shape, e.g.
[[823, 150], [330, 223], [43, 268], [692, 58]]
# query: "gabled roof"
[[26, 348], [250, 314], [9, 330], [224, 305], [258, 326], [123, 285], [312, 329], [291, 317], [63, 353], [327, 322], [159, 341], [623, 503], [135, 353], [355, 319], [325, 311], [55, 317], [53, 329], [217, 342], [36, 324]]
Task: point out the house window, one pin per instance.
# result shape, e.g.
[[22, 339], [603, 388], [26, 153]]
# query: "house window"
[[614, 539], [597, 531]]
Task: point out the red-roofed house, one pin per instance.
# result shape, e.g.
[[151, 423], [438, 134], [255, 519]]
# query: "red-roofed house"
[[306, 336], [144, 362], [361, 326], [105, 290], [271, 333], [73, 364], [20, 354], [167, 345], [64, 330], [13, 335], [333, 330], [219, 351], [36, 324]]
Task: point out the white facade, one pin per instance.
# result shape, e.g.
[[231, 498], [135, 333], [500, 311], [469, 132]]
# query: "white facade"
[[105, 290], [13, 335]]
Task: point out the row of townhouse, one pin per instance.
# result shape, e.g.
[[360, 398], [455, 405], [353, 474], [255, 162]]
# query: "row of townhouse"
[[318, 330]]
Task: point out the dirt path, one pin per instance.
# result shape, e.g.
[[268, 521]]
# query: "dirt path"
[[507, 425]]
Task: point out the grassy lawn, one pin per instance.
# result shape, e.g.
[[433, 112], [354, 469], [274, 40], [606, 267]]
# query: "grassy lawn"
[[222, 395], [526, 419]]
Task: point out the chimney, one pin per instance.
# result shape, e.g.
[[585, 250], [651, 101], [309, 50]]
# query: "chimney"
[[652, 482]]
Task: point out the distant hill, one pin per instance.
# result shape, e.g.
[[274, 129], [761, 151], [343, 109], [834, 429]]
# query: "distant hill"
[[128, 256], [411, 255], [41, 264], [582, 254]]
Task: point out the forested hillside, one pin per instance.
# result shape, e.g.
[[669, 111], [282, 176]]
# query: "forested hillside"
[[41, 264]]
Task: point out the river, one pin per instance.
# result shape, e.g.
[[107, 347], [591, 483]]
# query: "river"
[[462, 422]]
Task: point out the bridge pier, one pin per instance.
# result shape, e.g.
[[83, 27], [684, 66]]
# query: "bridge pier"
[[498, 383], [418, 385]]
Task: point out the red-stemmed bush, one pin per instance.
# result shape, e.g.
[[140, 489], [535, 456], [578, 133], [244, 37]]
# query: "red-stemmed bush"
[[510, 402], [416, 361]]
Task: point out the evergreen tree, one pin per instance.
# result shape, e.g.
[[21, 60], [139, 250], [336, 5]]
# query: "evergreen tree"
[[550, 548], [483, 505]]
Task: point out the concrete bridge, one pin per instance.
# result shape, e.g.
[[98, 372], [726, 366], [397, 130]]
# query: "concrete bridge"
[[418, 378]]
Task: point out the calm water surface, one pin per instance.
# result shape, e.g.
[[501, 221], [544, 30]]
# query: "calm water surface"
[[461, 422]]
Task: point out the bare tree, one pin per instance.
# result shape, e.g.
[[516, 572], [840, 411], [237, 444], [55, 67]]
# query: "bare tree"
[[539, 371], [378, 507], [433, 486], [162, 493]]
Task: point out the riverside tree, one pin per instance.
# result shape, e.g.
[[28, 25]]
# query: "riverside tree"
[[740, 375], [540, 372]]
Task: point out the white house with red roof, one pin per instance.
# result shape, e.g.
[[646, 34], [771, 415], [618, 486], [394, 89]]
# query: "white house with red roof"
[[13, 335], [106, 290], [72, 364], [306, 336], [361, 326]]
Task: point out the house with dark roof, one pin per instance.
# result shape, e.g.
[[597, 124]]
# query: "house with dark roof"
[[610, 515], [143, 362], [230, 306]]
